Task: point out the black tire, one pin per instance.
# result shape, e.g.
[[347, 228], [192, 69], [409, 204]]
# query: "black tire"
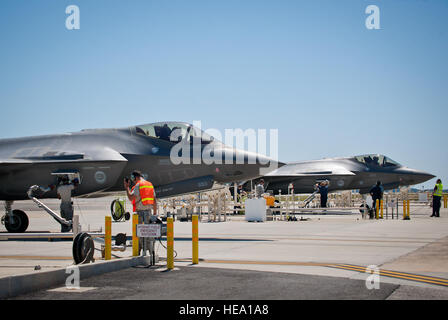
[[19, 224], [120, 239], [116, 215], [75, 248], [83, 248], [362, 208], [369, 211]]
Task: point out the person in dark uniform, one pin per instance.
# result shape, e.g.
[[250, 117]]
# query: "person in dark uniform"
[[323, 190], [377, 194], [436, 198]]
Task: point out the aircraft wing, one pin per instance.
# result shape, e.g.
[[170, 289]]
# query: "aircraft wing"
[[46, 156], [99, 170], [60, 159], [105, 154]]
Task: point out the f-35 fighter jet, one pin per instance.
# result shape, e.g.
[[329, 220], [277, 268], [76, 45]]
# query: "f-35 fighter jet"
[[352, 173], [102, 158]]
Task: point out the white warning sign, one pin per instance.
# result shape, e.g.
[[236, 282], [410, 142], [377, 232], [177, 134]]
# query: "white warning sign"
[[148, 230]]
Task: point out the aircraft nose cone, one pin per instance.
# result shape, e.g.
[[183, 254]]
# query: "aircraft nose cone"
[[260, 162], [245, 165], [412, 176], [424, 176]]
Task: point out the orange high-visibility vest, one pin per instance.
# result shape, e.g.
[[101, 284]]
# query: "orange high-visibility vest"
[[146, 192], [134, 206]]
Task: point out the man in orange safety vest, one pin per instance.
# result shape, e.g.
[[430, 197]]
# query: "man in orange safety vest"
[[144, 197]]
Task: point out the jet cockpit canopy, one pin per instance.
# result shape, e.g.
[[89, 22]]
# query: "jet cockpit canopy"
[[378, 160], [173, 132]]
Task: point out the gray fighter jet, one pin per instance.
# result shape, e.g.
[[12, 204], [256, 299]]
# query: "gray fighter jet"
[[102, 158], [352, 173]]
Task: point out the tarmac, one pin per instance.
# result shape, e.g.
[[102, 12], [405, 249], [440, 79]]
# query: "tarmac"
[[325, 257]]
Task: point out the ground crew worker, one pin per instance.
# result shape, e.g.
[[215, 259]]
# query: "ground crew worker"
[[64, 192], [259, 189], [377, 194], [436, 198], [323, 190], [145, 200], [240, 194]]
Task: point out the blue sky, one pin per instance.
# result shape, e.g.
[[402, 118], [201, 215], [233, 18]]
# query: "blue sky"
[[309, 68]]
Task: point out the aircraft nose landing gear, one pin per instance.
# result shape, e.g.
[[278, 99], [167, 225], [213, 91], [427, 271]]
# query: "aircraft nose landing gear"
[[16, 222], [59, 219]]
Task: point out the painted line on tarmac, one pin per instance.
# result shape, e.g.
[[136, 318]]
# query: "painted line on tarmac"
[[396, 274], [274, 263], [354, 240], [35, 258], [361, 269]]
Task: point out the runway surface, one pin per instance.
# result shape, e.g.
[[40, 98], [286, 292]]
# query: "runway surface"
[[330, 251]]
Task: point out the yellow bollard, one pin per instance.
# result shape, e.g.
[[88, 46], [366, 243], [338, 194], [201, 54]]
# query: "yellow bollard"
[[381, 204], [377, 208], [169, 243], [134, 235], [195, 239], [408, 210], [404, 210], [108, 239]]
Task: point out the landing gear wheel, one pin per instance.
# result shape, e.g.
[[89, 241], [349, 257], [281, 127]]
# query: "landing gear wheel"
[[83, 248], [18, 224]]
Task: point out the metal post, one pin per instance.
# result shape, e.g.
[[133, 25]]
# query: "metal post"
[[200, 206], [169, 243], [387, 206], [195, 239], [76, 226], [208, 207], [225, 207], [408, 210], [235, 195], [280, 204], [445, 201], [392, 208], [293, 206], [152, 252], [397, 208], [364, 211], [134, 235], [219, 207], [108, 238], [381, 204], [404, 210]]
